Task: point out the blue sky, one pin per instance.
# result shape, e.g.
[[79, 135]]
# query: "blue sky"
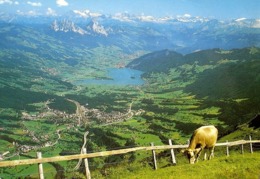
[[220, 9]]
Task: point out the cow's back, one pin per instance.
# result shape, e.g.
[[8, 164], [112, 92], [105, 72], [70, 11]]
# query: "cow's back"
[[206, 136]]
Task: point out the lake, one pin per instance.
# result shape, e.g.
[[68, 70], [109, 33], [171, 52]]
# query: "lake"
[[118, 76]]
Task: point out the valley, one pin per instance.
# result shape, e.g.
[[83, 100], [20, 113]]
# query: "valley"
[[127, 84]]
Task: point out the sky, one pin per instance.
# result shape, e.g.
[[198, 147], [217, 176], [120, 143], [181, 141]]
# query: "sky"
[[219, 9]]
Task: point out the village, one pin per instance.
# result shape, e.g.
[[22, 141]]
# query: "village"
[[82, 116]]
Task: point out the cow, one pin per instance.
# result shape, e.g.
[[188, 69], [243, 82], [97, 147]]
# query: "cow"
[[203, 137]]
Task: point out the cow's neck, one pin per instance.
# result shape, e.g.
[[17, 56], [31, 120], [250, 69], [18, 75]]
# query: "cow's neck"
[[192, 144]]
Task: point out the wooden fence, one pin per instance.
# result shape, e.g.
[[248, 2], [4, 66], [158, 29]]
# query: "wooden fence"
[[39, 160]]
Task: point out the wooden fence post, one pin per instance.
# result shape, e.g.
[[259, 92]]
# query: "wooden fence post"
[[172, 153], [188, 142], [86, 165], [251, 145], [40, 167], [154, 157], [227, 149]]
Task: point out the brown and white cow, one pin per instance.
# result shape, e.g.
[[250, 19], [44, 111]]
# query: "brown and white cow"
[[203, 137]]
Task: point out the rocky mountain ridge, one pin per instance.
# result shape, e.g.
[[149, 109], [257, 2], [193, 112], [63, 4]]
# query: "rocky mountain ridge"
[[184, 34]]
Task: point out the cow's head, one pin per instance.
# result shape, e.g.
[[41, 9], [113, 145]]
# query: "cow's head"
[[192, 154]]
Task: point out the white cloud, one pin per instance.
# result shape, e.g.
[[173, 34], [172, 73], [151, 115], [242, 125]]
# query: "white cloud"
[[62, 3], [9, 2], [32, 13], [51, 12], [38, 4], [187, 15], [5, 2]]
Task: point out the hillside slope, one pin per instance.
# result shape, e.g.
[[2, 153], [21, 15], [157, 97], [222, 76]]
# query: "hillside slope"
[[157, 61], [228, 80], [234, 166], [237, 165], [243, 131]]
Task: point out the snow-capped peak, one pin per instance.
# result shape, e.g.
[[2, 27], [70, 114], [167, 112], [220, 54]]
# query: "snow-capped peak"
[[87, 13], [147, 18], [67, 26], [125, 17], [190, 18], [240, 19], [256, 24], [99, 29]]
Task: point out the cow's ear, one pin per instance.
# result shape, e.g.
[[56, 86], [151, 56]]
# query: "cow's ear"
[[183, 151]]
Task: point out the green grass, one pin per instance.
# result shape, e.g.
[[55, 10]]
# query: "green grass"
[[236, 166]]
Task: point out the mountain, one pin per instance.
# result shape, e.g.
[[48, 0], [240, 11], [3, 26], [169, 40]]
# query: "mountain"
[[183, 34], [157, 61], [245, 130], [235, 79], [255, 122], [162, 61], [219, 71], [228, 79], [69, 26]]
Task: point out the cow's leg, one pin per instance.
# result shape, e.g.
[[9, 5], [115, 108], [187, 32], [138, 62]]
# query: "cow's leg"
[[211, 152], [205, 155], [197, 154]]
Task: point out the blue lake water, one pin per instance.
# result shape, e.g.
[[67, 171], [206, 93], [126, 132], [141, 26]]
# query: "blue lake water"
[[119, 76]]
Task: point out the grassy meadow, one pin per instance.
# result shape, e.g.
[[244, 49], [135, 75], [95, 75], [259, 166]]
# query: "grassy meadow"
[[236, 166]]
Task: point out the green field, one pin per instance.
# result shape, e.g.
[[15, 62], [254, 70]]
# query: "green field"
[[236, 166]]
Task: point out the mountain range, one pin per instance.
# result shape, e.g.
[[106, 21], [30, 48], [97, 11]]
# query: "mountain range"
[[228, 79], [131, 33]]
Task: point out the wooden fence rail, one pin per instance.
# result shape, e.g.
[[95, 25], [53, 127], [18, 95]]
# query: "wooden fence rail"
[[39, 160], [108, 153]]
